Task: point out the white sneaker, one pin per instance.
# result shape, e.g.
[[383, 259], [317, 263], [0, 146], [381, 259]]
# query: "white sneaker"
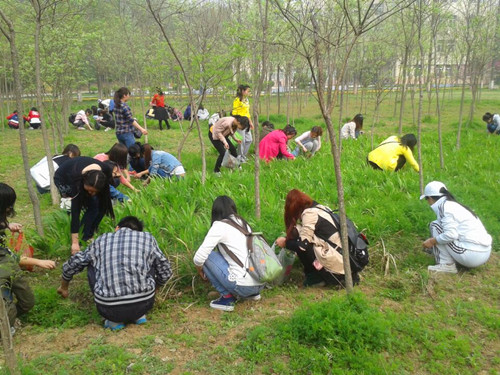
[[81, 128], [107, 129], [217, 174], [448, 268]]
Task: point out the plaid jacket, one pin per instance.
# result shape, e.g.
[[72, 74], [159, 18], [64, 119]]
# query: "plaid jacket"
[[128, 266], [124, 119]]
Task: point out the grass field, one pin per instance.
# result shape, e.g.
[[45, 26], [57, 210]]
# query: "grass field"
[[407, 322]]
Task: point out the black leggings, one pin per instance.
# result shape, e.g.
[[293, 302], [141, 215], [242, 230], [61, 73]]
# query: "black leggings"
[[219, 146], [401, 163]]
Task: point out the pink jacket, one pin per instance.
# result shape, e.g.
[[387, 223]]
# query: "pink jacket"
[[272, 144]]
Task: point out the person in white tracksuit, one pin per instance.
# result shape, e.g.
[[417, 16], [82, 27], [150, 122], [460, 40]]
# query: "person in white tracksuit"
[[457, 236]]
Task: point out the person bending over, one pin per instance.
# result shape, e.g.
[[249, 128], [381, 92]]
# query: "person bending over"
[[312, 234], [393, 153]]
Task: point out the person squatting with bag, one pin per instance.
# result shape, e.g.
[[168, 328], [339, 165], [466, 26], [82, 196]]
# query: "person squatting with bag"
[[214, 263], [311, 234], [457, 235], [219, 134], [16, 292]]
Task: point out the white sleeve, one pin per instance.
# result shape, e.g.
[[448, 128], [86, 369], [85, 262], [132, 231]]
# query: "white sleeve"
[[303, 136], [212, 239]]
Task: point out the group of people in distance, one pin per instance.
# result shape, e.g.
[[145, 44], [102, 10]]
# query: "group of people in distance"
[[32, 120], [126, 267]]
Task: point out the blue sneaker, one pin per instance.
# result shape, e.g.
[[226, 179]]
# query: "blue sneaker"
[[113, 326], [224, 304], [141, 320]]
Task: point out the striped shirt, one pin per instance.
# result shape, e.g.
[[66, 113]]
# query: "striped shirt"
[[128, 265], [124, 119]]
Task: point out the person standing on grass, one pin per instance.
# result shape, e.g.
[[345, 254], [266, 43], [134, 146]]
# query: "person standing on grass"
[[393, 153], [492, 122], [241, 107], [85, 181], [312, 234], [125, 123], [230, 279], [124, 270], [219, 134], [158, 104], [457, 235], [274, 145], [309, 141], [16, 292], [353, 128]]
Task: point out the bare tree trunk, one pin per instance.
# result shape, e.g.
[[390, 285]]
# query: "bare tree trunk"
[[157, 19], [10, 34], [8, 345], [420, 96], [462, 98], [279, 86], [403, 91], [46, 143]]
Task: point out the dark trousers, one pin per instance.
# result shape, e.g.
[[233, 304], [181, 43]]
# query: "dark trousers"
[[125, 313], [401, 163], [307, 258], [91, 218], [25, 300], [219, 146]]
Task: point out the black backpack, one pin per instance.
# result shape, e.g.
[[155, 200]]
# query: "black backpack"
[[72, 118], [358, 243]]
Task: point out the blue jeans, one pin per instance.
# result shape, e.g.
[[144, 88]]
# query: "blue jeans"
[[127, 139], [216, 269], [116, 194]]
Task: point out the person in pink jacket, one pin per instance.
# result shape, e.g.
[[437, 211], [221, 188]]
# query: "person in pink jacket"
[[273, 145]]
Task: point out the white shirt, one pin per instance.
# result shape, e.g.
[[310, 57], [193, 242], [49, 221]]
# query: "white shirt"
[[460, 226], [236, 241], [348, 130]]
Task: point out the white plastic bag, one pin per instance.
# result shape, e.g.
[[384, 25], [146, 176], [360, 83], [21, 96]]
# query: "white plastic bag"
[[286, 258], [230, 161]]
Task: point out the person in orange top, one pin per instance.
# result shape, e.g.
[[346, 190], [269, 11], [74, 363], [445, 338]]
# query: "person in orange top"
[[158, 104]]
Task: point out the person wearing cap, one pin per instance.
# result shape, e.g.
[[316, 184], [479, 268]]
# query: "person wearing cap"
[[393, 153], [457, 236]]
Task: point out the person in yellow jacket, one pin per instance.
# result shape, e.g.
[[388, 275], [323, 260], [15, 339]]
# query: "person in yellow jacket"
[[241, 107], [393, 153]]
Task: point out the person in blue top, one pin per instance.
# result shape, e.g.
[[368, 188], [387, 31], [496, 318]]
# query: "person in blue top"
[[13, 120], [161, 164]]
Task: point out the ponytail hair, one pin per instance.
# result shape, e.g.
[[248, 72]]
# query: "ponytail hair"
[[408, 140], [239, 91], [119, 94], [450, 197]]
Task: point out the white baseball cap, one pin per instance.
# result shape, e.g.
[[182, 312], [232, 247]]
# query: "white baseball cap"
[[432, 189]]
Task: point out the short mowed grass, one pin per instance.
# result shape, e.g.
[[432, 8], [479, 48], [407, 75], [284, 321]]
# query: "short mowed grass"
[[406, 322]]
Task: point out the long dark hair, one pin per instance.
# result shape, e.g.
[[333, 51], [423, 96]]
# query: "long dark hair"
[[408, 140], [148, 154], [318, 130], [358, 120], [119, 94], [7, 199], [223, 207], [487, 117], [451, 198], [296, 202], [118, 153], [239, 91], [99, 181]]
